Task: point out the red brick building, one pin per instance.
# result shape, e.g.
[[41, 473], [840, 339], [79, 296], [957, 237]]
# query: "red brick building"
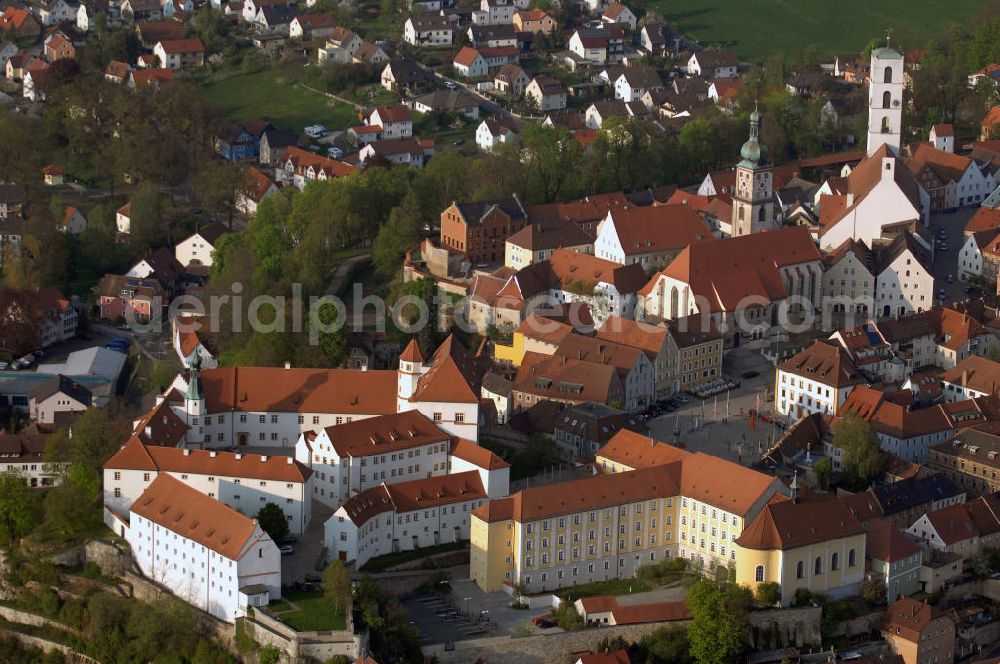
[[480, 229]]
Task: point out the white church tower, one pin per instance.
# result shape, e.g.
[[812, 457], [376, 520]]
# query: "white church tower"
[[411, 368], [885, 100]]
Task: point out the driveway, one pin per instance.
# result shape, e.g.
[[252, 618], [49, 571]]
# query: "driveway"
[[308, 549]]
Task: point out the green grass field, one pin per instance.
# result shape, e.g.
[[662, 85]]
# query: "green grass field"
[[315, 612], [275, 96], [755, 30]]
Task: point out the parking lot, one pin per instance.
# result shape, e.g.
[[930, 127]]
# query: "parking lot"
[[468, 612], [719, 425]]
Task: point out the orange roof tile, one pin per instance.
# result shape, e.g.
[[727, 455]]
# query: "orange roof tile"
[[385, 433], [637, 451], [476, 455], [785, 524], [275, 389], [193, 515], [206, 462]]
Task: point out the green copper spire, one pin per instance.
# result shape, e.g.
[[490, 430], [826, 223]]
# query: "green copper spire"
[[194, 377], [752, 151]]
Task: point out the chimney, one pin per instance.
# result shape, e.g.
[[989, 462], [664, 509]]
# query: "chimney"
[[288, 365], [289, 460], [238, 456], [148, 431], [263, 457], [965, 377], [187, 452], [211, 454]]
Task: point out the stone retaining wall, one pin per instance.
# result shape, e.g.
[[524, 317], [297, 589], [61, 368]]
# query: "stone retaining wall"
[[538, 649]]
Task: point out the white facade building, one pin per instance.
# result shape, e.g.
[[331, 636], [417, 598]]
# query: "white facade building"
[[404, 516], [244, 482], [204, 552], [815, 380]]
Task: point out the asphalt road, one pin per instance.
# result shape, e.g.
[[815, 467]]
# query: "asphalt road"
[[946, 262]]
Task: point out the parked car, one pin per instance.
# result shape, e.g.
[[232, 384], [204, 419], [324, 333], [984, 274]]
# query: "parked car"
[[315, 131], [286, 549], [543, 622], [334, 152], [950, 279], [747, 375], [3, 365]]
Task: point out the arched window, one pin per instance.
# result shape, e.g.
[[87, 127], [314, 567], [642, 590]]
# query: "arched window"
[[886, 99], [760, 215], [834, 562], [818, 567], [759, 574], [740, 213], [800, 570], [852, 558], [887, 76], [885, 125]]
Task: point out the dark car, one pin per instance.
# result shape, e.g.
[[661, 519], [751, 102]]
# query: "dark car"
[[543, 622], [747, 375]]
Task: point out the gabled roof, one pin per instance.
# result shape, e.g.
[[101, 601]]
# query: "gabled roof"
[[193, 515], [638, 451], [181, 46], [824, 363], [725, 272], [303, 160], [255, 185], [476, 455], [384, 433], [474, 213], [642, 77], [453, 375], [887, 543], [909, 618], [550, 235], [627, 332], [566, 379], [715, 59], [902, 243], [589, 493], [984, 219], [976, 373], [60, 384], [217, 463], [275, 389], [657, 228], [784, 524], [949, 167], [394, 113], [953, 524], [414, 495], [466, 56]]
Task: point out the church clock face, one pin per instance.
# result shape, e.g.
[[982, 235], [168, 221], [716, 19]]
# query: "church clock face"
[[743, 186], [762, 187]]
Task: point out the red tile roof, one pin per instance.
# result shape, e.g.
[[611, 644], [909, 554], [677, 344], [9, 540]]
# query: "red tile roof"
[[637, 451], [824, 362], [181, 46], [383, 434], [193, 515], [887, 543], [205, 462], [275, 389], [476, 455], [644, 230], [784, 524], [414, 495]]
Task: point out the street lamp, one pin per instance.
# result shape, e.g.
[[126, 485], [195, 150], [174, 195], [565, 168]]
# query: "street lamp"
[[468, 602]]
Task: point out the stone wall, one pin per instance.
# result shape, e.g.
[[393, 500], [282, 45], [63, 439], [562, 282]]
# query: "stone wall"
[[435, 562], [26, 618], [111, 558], [537, 649], [782, 628], [267, 630], [46, 645]]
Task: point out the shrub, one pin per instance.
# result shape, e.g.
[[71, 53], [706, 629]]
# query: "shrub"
[[269, 655], [802, 597], [768, 594], [567, 617]]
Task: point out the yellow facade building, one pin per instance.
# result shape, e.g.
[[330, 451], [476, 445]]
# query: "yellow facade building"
[[813, 542], [669, 503]]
